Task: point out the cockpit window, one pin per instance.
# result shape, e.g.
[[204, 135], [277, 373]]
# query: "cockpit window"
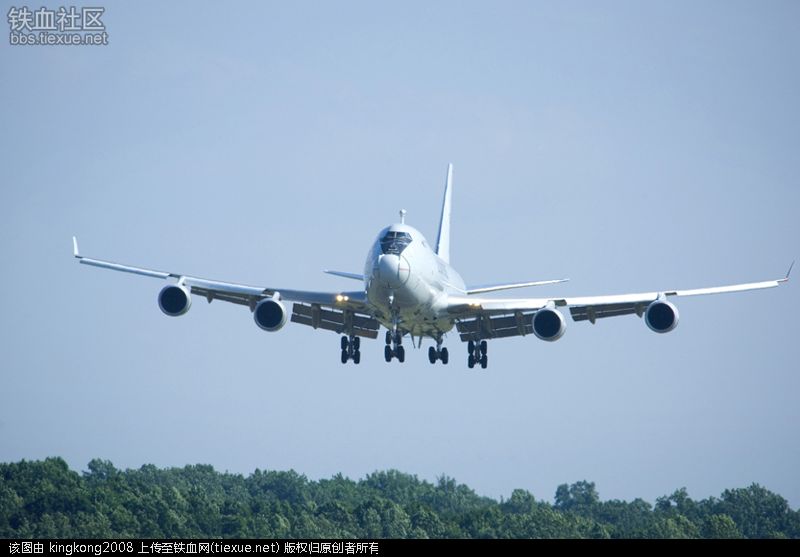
[[395, 242]]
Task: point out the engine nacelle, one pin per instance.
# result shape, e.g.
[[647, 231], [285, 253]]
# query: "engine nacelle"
[[174, 300], [270, 315], [661, 316], [549, 324]]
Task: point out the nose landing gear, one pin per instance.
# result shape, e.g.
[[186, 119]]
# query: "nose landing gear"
[[438, 353]]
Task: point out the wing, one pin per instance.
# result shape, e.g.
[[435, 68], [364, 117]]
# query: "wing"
[[336, 311], [496, 318]]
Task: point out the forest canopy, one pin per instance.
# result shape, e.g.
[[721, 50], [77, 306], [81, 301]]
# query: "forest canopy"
[[45, 499]]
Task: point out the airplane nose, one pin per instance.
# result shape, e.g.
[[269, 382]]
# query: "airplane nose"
[[393, 269]]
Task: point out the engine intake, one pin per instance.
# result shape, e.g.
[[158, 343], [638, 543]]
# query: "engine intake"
[[548, 324], [661, 316], [174, 300], [270, 315]]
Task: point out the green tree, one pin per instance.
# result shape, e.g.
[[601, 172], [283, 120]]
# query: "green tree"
[[757, 512], [521, 501], [579, 497], [46, 499], [720, 526]]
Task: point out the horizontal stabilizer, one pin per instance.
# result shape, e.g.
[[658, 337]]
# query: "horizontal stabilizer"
[[354, 276], [509, 286]]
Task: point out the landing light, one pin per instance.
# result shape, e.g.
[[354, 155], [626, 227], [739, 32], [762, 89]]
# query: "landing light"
[[342, 298]]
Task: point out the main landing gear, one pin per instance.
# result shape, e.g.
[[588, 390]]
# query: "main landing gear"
[[438, 353], [477, 354], [351, 349], [394, 347]]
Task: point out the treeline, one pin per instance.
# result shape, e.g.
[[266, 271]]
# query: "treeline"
[[45, 499]]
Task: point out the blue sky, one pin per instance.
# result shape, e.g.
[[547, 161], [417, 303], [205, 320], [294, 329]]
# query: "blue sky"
[[630, 146]]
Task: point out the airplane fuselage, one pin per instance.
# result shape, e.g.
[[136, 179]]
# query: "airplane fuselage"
[[408, 283]]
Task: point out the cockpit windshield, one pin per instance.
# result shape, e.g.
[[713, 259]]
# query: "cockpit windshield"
[[395, 242]]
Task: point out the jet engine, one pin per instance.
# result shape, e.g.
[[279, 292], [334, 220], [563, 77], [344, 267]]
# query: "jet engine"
[[661, 316], [548, 324], [270, 315], [174, 300]]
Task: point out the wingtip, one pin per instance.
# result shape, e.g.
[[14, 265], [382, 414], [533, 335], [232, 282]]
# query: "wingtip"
[[75, 252], [789, 272]]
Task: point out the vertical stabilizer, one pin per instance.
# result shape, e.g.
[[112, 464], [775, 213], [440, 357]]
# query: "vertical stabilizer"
[[443, 241]]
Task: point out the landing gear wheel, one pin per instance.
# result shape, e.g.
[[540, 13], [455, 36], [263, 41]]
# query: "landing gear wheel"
[[387, 353], [477, 353], [432, 355], [345, 356], [444, 356], [401, 354], [357, 357], [345, 343], [356, 343], [388, 337]]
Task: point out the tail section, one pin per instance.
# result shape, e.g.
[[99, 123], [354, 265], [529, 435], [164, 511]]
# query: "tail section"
[[443, 241]]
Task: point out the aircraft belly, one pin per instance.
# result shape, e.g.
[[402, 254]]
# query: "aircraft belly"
[[415, 302]]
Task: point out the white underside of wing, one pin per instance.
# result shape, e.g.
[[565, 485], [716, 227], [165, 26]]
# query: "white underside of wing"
[[650, 296], [463, 304], [123, 268], [726, 289], [345, 300]]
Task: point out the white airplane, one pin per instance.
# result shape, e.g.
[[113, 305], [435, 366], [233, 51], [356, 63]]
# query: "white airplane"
[[411, 289]]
